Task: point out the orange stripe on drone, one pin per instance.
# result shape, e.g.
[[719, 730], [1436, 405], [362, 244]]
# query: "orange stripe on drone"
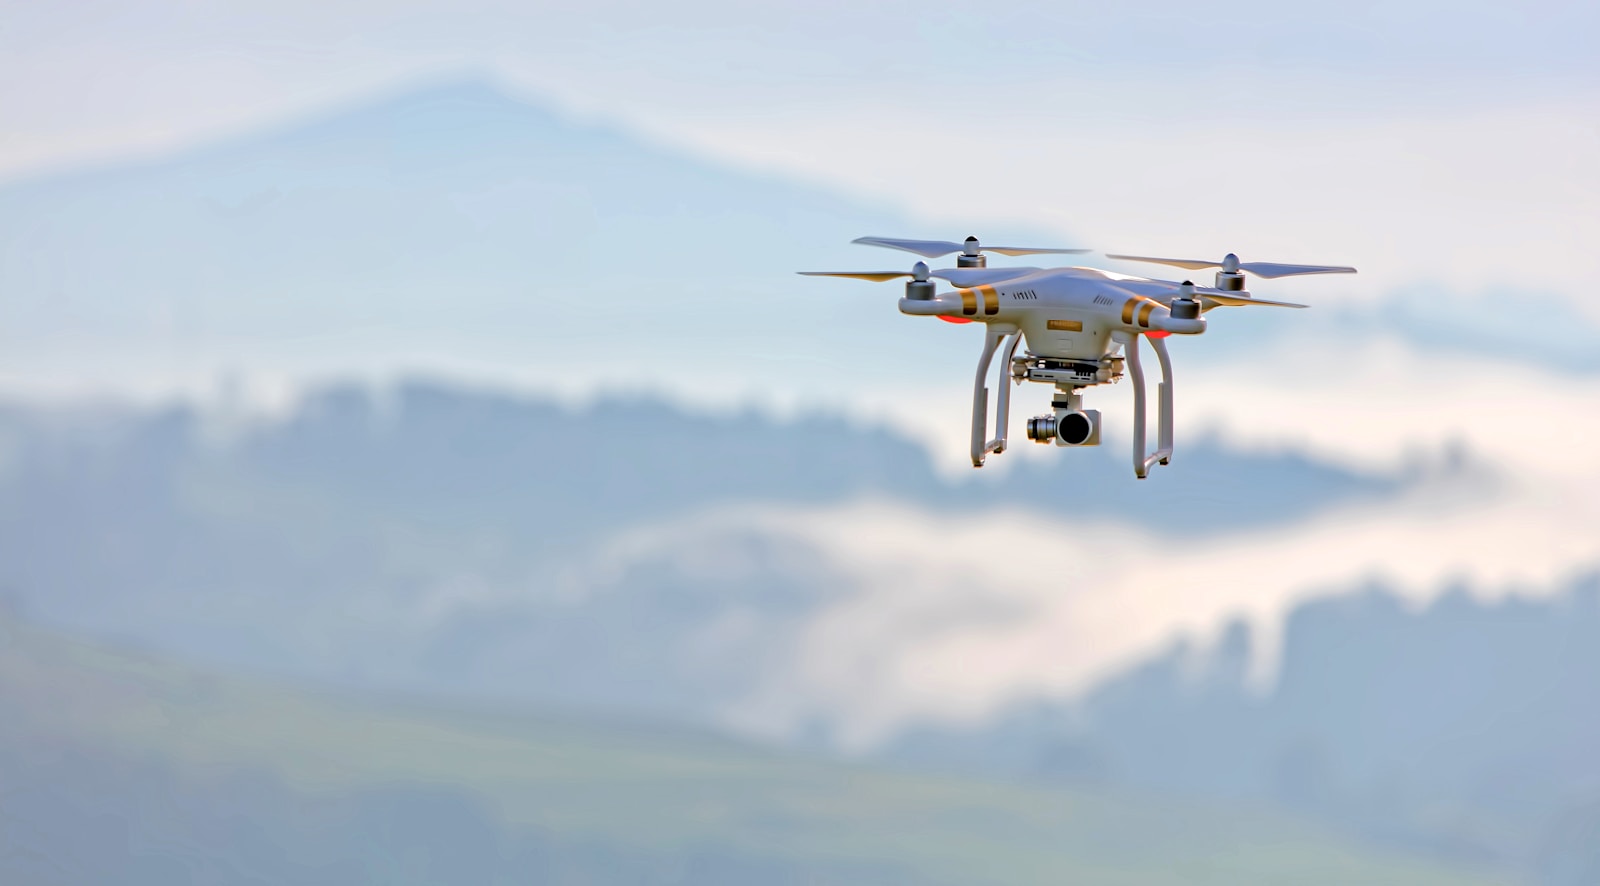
[[991, 300], [1145, 307]]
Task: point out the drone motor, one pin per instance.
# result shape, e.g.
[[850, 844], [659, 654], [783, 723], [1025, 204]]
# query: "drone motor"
[[919, 287], [971, 256], [1185, 307], [1229, 277]]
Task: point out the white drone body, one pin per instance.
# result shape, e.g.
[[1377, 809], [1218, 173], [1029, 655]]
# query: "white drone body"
[[1082, 327]]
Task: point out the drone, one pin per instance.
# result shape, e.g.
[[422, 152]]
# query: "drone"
[[1082, 326]]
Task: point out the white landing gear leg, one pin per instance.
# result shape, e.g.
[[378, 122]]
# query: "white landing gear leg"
[[1163, 453], [981, 444]]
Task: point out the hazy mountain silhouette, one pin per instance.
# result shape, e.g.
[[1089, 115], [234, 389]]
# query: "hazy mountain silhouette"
[[1467, 727], [452, 223], [456, 225]]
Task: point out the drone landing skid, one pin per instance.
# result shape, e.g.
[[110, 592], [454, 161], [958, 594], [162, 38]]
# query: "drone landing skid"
[[981, 444], [1163, 454], [1143, 461]]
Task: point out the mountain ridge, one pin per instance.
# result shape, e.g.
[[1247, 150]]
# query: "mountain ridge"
[[451, 538]]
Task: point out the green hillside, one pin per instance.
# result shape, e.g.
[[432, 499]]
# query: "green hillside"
[[234, 775]]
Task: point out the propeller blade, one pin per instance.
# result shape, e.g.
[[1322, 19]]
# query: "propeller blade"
[[963, 277], [873, 276], [936, 248], [1265, 269], [1235, 301], [1271, 270], [1191, 264], [924, 248]]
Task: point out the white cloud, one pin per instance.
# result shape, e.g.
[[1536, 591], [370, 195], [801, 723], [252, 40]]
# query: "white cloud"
[[956, 615], [1376, 401]]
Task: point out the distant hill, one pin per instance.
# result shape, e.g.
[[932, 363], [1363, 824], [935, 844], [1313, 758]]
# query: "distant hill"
[[449, 225], [1465, 727], [454, 540], [129, 769]]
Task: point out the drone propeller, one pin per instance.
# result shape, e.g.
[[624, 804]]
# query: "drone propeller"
[[919, 287], [1231, 266], [1211, 299], [919, 273], [872, 276], [1187, 302], [971, 250]]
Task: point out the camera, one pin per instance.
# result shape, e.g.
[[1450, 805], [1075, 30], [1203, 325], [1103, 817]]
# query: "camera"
[[1068, 427]]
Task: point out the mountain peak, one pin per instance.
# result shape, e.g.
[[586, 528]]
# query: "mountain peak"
[[449, 105], [461, 90]]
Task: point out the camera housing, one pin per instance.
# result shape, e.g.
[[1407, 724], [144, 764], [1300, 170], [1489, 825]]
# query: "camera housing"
[[1068, 427], [1077, 427]]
